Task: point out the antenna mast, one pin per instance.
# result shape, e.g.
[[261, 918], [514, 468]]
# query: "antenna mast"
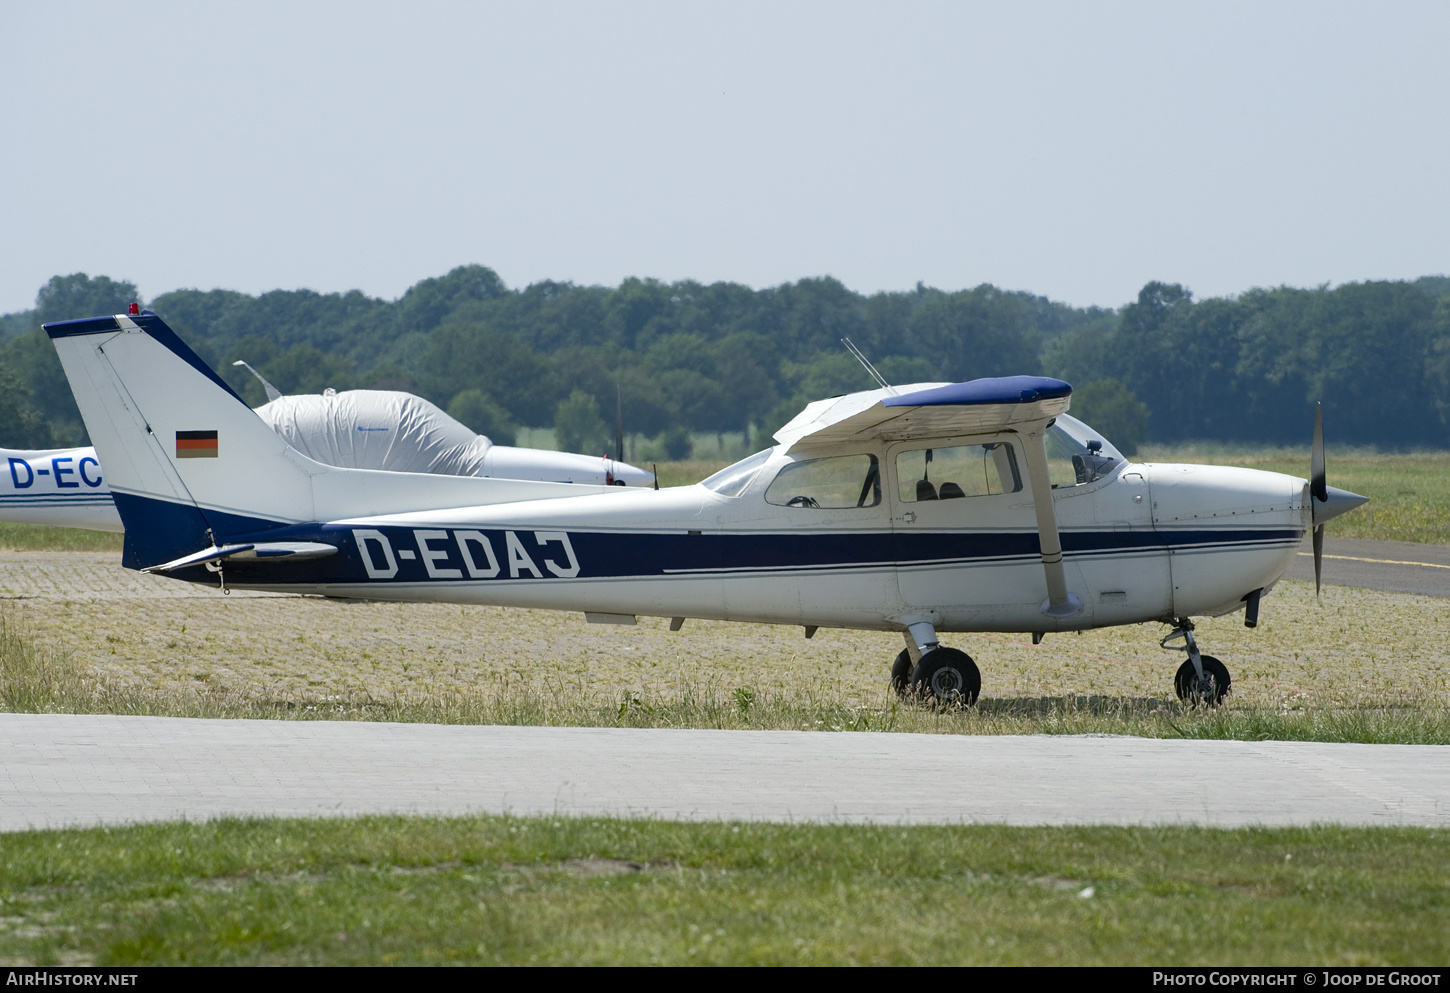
[[851, 347]]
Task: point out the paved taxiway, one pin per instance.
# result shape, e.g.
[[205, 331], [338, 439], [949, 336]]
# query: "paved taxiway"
[[61, 770], [1392, 566]]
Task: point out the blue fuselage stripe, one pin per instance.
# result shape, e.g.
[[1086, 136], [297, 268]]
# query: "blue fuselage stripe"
[[158, 531], [398, 555]]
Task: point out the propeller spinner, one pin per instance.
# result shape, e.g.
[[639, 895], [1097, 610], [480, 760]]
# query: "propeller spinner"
[[1328, 502]]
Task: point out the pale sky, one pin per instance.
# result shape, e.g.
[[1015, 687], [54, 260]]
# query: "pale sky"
[[1076, 150]]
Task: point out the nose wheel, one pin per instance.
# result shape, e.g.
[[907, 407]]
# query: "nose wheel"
[[1209, 689], [1202, 679]]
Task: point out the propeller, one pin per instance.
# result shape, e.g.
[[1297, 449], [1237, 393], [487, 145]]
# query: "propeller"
[[1327, 502], [1318, 489]]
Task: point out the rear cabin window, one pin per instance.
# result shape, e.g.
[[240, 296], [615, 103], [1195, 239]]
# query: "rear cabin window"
[[952, 473], [830, 484]]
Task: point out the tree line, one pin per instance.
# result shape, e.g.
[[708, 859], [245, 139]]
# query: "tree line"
[[686, 357]]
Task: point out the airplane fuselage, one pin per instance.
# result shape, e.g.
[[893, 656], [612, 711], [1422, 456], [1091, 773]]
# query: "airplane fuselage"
[[1144, 542]]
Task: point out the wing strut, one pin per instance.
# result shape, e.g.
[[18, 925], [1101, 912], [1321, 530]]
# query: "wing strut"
[[1059, 603]]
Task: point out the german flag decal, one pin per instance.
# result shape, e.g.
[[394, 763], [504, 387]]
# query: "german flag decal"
[[196, 444]]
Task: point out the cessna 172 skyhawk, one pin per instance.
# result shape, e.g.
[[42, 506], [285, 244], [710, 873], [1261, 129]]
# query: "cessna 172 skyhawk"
[[921, 509]]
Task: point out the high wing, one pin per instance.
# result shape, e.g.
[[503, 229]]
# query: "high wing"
[[929, 410], [1024, 404]]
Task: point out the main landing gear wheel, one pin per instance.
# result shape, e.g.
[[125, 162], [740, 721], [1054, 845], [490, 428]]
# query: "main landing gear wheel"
[[1215, 686], [901, 673], [947, 677]]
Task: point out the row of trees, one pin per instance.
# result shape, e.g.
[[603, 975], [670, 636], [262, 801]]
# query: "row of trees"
[[686, 356], [1249, 368]]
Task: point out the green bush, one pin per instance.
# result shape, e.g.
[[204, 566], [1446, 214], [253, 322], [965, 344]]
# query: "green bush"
[[578, 426], [479, 412]]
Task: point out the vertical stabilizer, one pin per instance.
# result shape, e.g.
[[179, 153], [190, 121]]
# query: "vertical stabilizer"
[[184, 454]]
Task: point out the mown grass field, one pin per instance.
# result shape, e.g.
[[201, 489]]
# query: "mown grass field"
[[1354, 665], [503, 890], [42, 538]]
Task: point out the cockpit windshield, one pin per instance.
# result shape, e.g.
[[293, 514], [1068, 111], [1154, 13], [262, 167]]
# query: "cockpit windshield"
[[1075, 456], [732, 480]]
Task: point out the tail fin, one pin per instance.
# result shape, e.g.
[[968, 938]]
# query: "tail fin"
[[191, 465], [187, 459]]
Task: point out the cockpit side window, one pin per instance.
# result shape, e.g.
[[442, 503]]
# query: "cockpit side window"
[[964, 471], [829, 484]]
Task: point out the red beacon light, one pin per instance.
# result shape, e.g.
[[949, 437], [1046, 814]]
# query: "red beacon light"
[[135, 309]]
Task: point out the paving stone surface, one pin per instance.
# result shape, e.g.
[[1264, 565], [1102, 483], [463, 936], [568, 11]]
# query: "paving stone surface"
[[90, 576], [61, 770]]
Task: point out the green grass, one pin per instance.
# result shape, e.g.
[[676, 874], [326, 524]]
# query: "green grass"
[[504, 890], [44, 538], [34, 679], [689, 471]]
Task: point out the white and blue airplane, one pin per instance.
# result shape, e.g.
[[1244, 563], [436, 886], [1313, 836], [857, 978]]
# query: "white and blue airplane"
[[924, 509], [360, 429]]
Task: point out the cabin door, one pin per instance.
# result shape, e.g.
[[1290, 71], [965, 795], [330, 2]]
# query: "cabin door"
[[964, 530]]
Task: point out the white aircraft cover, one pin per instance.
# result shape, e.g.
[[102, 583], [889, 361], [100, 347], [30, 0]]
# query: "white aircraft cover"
[[377, 429]]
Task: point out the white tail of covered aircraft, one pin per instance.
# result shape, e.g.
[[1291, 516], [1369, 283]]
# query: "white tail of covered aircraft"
[[59, 486]]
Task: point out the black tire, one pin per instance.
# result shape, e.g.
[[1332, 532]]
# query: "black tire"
[[1220, 682], [901, 673], [947, 677]]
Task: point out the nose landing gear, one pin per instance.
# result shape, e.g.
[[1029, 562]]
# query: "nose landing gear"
[[1202, 679]]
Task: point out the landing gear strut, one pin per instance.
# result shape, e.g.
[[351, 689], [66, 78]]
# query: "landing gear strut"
[[929, 671], [1202, 679]]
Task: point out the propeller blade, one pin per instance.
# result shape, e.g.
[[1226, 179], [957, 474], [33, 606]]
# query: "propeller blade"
[[1326, 502], [1318, 555], [1317, 482], [1318, 490]]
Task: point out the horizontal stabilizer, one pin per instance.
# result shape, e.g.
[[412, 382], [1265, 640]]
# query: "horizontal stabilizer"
[[272, 551], [202, 557], [292, 551]]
